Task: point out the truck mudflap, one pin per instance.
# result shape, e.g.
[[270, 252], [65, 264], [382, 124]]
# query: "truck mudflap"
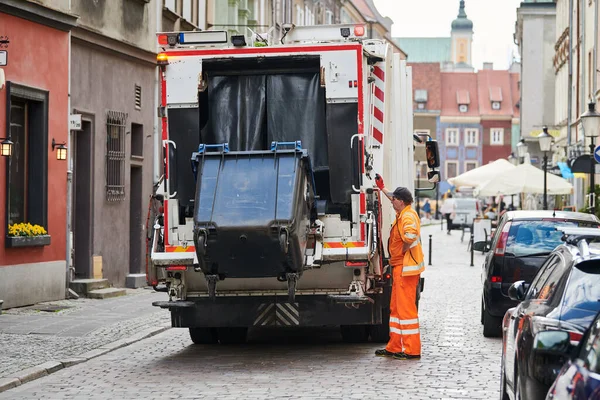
[[263, 311], [252, 210]]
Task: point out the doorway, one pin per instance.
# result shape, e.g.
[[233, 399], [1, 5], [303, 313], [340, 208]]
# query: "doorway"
[[81, 220], [135, 221]]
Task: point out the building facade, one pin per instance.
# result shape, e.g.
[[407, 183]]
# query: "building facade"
[[34, 114]]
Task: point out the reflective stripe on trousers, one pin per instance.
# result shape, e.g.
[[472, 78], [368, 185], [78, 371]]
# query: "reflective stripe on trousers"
[[404, 319]]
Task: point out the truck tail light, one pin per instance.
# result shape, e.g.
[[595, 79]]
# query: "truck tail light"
[[176, 268]]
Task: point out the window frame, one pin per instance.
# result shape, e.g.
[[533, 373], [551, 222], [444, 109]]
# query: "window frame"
[[501, 141], [447, 136], [448, 162], [471, 162], [475, 143], [115, 155], [37, 206]]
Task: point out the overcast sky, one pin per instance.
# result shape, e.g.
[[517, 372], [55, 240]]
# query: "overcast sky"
[[493, 24]]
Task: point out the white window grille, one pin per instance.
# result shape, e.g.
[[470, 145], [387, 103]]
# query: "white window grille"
[[471, 137], [451, 137], [497, 136]]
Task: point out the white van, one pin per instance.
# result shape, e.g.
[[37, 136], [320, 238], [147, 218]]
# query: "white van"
[[467, 209]]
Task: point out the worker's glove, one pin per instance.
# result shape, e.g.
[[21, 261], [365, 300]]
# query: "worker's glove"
[[379, 181]]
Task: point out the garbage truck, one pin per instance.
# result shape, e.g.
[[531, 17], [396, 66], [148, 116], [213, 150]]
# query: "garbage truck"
[[268, 213]]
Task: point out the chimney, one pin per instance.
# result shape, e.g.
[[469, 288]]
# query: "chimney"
[[488, 65]]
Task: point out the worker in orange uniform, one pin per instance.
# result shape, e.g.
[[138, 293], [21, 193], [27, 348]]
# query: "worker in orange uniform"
[[407, 262]]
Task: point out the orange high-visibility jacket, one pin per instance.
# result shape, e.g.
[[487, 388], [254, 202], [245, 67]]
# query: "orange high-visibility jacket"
[[406, 229]]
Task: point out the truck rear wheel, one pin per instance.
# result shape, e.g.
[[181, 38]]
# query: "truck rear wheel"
[[355, 333], [380, 333], [232, 335], [203, 335]]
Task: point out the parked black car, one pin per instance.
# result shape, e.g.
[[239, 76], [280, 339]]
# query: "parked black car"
[[580, 377], [561, 302], [518, 248]]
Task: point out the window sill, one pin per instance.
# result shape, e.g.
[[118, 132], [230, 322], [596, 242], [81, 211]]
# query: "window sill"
[[27, 241]]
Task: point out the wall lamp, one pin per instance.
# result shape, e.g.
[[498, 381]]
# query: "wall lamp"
[[61, 150], [6, 147]]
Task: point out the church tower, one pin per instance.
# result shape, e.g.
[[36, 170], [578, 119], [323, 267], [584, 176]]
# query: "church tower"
[[462, 39]]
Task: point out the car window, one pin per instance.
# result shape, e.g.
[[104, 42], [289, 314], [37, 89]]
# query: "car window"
[[590, 353], [583, 289], [498, 231], [530, 237], [551, 285], [542, 276]]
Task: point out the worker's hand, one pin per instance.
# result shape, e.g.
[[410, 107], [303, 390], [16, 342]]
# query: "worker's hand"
[[379, 181]]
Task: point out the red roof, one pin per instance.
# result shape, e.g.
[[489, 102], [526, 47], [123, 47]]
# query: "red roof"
[[427, 76], [459, 84], [495, 85]]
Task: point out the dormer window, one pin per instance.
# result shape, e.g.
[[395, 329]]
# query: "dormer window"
[[495, 105], [496, 97], [463, 99], [421, 99]]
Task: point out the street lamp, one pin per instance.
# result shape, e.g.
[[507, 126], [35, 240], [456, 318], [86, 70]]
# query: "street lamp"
[[522, 148], [6, 147], [545, 140], [590, 120]]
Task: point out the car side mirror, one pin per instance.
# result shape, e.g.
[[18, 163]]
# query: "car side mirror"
[[517, 291], [432, 153], [433, 176], [481, 246], [552, 343]]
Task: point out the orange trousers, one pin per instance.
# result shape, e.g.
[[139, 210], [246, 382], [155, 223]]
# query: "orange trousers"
[[404, 319]]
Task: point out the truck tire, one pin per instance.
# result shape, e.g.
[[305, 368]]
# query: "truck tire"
[[355, 333], [203, 335], [380, 333], [232, 335]]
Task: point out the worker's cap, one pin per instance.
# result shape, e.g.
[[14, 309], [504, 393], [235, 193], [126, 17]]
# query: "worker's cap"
[[402, 193]]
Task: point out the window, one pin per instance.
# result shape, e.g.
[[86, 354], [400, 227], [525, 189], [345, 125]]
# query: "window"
[[451, 169], [497, 136], [170, 4], [27, 183], [345, 17], [470, 165], [451, 137], [542, 275], [328, 17], [463, 108], [471, 137], [495, 105], [420, 106], [420, 170], [115, 155]]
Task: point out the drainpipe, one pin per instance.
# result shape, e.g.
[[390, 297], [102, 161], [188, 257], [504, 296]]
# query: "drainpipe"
[[595, 87], [570, 90], [156, 133], [583, 51], [69, 238]]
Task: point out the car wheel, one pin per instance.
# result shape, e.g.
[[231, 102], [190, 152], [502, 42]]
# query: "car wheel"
[[503, 394], [492, 326], [481, 311]]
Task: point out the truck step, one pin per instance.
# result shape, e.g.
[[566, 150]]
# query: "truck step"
[[106, 293], [83, 286], [349, 299]]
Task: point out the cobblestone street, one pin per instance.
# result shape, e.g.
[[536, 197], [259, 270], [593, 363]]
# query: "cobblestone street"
[[457, 361]]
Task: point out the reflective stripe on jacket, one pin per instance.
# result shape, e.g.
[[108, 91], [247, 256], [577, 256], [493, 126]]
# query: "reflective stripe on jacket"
[[406, 229]]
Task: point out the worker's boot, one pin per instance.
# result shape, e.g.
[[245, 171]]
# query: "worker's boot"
[[384, 353], [404, 356]]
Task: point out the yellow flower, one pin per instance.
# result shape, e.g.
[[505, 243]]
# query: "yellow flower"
[[26, 229]]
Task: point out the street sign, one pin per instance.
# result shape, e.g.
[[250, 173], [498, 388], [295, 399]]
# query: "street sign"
[[597, 168], [597, 154], [3, 58], [75, 122]]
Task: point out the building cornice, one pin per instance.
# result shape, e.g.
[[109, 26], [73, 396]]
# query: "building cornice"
[[39, 14], [460, 120], [430, 113], [496, 117], [87, 36]]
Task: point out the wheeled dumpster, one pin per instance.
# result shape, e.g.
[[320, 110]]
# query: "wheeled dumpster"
[[252, 211]]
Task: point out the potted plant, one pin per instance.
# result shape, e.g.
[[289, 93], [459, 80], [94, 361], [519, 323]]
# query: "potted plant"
[[25, 234]]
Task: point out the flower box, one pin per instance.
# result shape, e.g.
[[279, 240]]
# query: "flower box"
[[27, 241]]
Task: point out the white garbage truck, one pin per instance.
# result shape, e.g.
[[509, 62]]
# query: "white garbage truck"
[[268, 213]]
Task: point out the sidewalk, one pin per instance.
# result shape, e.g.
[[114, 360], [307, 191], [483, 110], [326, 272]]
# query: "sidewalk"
[[42, 339]]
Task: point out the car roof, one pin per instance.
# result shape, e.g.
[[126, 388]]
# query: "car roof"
[[534, 214]]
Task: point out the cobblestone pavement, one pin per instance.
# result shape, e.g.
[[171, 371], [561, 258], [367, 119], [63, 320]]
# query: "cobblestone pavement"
[[29, 337], [457, 361]]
